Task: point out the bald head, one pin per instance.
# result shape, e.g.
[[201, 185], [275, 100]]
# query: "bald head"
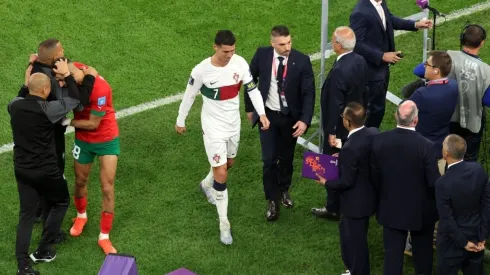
[[455, 146], [39, 84], [407, 114], [346, 37]]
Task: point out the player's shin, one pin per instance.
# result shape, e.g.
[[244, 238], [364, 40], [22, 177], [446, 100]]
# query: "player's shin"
[[81, 205], [105, 225], [220, 195]]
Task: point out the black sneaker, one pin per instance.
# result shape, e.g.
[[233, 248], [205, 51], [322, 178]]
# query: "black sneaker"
[[45, 257], [27, 271]]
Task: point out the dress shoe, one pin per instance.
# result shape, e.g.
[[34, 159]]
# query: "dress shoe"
[[272, 211], [324, 213], [286, 200]]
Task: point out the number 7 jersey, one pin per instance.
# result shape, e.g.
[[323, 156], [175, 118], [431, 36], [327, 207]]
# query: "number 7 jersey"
[[219, 86]]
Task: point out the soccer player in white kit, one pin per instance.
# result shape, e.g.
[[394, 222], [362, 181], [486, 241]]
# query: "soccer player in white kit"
[[219, 78]]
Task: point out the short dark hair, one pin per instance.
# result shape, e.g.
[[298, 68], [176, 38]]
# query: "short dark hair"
[[280, 30], [355, 113], [45, 49], [442, 61], [224, 37], [456, 146], [473, 36]]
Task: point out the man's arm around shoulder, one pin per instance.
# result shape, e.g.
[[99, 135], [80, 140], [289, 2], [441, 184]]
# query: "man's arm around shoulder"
[[57, 109]]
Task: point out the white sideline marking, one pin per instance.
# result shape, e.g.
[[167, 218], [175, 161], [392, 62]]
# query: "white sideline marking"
[[313, 57]]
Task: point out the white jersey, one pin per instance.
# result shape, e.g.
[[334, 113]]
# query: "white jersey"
[[220, 86]]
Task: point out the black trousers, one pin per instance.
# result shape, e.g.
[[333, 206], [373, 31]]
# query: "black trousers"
[[451, 259], [43, 207], [278, 145], [377, 101], [394, 245], [32, 184], [354, 245], [473, 140], [333, 196]]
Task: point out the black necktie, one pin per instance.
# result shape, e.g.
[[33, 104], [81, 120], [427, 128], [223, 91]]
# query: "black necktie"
[[280, 84]]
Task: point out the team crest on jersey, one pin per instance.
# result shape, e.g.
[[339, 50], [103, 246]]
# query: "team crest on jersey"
[[216, 158], [101, 101], [191, 81], [235, 76]]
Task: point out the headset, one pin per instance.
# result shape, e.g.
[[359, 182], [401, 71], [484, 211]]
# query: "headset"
[[463, 32]]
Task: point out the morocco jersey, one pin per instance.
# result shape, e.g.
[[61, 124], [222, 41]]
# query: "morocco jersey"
[[101, 106], [219, 86]]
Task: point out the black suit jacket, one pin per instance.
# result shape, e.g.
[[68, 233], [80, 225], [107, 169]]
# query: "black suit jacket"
[[299, 84], [346, 82], [357, 194], [372, 40], [404, 170], [463, 203]]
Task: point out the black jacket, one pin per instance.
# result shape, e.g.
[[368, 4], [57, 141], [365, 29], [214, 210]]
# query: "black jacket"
[[32, 120]]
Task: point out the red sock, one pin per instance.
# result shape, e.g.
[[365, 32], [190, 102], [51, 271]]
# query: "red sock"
[[81, 204], [106, 222]]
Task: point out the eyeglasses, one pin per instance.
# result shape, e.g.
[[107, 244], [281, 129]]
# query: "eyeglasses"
[[342, 116], [427, 64]]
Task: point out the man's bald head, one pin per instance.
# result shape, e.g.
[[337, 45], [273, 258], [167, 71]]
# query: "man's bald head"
[[407, 114], [39, 84], [454, 146], [346, 37]]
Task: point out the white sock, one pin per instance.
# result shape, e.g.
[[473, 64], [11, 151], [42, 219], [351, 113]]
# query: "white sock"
[[221, 198], [82, 215], [209, 179], [103, 236]]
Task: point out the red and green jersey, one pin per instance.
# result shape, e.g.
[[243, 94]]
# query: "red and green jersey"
[[100, 105]]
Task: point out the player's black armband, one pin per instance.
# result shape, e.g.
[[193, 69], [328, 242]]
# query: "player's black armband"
[[250, 86]]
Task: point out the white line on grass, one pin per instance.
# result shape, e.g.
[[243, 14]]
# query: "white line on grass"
[[316, 56]]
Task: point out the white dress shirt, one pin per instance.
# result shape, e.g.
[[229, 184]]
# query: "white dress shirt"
[[353, 131], [454, 163], [406, 128], [272, 101], [380, 10], [340, 56]]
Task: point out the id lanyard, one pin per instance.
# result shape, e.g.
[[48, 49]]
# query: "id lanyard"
[[438, 82], [281, 93]]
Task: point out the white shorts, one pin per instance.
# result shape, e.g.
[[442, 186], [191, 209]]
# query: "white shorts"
[[219, 150]]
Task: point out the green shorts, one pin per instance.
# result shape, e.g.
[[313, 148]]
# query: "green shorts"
[[84, 152]]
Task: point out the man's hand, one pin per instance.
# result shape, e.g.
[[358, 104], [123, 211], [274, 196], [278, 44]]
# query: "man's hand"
[[66, 121], [32, 57], [180, 130], [332, 140], [321, 180], [90, 71], [336, 155], [250, 116], [424, 24], [300, 127], [265, 122], [391, 57], [471, 247], [27, 75], [481, 246], [62, 67]]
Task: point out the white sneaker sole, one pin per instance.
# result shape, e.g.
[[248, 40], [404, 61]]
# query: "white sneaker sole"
[[41, 260]]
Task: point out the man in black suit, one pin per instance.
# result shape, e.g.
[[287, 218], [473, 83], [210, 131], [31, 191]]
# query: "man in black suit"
[[374, 26], [463, 203], [404, 170], [357, 195], [287, 85], [346, 82]]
